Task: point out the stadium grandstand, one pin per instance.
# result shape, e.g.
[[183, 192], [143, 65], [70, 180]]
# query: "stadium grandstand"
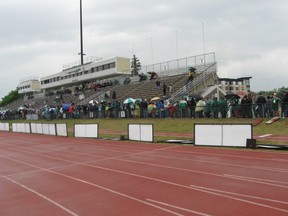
[[111, 81]]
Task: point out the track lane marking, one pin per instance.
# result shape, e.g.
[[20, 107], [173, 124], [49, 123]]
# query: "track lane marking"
[[85, 182], [177, 207], [152, 179], [238, 194], [42, 196], [239, 199], [258, 181]]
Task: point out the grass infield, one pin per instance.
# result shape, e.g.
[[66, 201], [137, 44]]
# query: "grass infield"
[[177, 128]]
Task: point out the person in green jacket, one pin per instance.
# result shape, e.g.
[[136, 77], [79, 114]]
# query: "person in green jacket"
[[215, 107], [223, 107]]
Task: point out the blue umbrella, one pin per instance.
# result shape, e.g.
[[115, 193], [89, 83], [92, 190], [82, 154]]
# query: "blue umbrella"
[[66, 106]]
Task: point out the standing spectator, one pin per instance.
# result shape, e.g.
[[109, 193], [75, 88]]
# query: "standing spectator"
[[171, 109], [177, 109], [71, 111], [191, 73], [144, 106], [200, 108], [223, 107], [268, 107], [160, 108], [100, 110], [260, 105], [191, 103], [158, 86], [207, 108], [285, 105], [276, 105], [114, 94], [169, 87], [151, 110], [164, 88], [137, 109], [246, 106], [107, 110], [131, 108], [183, 107], [215, 107], [166, 104]]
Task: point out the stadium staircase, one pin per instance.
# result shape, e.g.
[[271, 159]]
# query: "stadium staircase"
[[206, 75]]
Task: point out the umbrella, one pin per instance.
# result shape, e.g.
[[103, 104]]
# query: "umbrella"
[[21, 108], [93, 102], [155, 98], [232, 96], [196, 96], [129, 100], [66, 106], [181, 94], [139, 100]]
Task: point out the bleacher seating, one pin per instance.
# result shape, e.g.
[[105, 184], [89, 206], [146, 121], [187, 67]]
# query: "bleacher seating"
[[135, 89]]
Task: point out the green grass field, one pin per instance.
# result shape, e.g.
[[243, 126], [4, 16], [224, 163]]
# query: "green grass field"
[[181, 125]]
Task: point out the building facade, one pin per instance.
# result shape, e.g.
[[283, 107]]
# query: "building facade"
[[29, 86], [89, 71], [238, 86]]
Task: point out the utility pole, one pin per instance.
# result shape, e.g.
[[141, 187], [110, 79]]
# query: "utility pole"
[[81, 35]]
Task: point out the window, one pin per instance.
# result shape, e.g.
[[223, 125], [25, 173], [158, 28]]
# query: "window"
[[112, 65], [106, 66]]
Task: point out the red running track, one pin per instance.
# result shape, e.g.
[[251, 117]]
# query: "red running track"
[[47, 175]]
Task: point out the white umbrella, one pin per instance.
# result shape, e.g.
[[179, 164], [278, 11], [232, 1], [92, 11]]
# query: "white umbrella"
[[129, 100], [21, 108], [93, 102]]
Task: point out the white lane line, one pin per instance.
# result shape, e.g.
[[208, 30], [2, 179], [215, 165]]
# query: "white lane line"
[[153, 179], [239, 199], [239, 194], [265, 135], [177, 207], [42, 196], [258, 181], [205, 173], [226, 164], [162, 181], [85, 182]]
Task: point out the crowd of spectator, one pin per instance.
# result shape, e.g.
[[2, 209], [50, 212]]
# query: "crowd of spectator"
[[186, 107]]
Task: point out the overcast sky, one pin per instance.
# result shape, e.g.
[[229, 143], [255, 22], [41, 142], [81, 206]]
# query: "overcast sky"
[[249, 37]]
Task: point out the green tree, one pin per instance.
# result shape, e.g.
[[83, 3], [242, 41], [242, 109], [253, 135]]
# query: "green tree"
[[135, 66], [12, 96]]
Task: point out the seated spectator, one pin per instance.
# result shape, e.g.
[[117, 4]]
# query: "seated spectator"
[[142, 77]]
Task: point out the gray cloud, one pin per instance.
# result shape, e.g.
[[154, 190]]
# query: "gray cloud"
[[248, 37]]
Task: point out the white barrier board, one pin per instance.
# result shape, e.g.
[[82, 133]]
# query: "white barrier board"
[[208, 135], [49, 129], [236, 135], [21, 127], [140, 132], [61, 130], [86, 130], [4, 126], [222, 134]]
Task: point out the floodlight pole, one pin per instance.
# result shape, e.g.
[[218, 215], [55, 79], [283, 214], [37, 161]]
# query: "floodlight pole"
[[203, 40], [81, 35]]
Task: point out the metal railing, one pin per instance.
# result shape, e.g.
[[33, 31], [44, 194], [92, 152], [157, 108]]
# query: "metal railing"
[[178, 66], [202, 76]]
